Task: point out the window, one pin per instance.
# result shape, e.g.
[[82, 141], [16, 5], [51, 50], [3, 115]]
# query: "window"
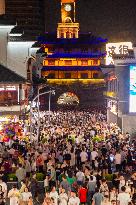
[[67, 75], [85, 62], [95, 75], [84, 75], [68, 62], [84, 50], [51, 76], [95, 62], [51, 62], [61, 35]]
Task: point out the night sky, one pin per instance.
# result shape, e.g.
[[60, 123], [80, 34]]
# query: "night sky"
[[113, 19]]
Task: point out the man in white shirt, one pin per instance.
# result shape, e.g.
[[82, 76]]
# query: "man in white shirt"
[[4, 187], [73, 200], [94, 154], [84, 156], [80, 177], [118, 161], [123, 198]]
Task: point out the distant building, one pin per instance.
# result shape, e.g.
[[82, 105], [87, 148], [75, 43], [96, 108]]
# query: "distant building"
[[72, 59], [13, 92], [21, 22], [121, 91]]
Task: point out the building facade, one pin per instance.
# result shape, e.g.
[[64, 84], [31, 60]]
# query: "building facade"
[[121, 101], [71, 58], [21, 22]]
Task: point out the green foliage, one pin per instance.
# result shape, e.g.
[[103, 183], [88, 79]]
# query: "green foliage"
[[40, 176], [44, 140], [97, 139], [12, 177]]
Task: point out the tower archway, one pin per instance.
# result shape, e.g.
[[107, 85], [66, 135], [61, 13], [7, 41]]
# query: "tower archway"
[[68, 98]]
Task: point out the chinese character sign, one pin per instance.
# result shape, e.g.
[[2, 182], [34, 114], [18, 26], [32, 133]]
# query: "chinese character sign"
[[116, 48]]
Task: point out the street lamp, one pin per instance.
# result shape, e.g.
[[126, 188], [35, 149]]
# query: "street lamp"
[[51, 92]]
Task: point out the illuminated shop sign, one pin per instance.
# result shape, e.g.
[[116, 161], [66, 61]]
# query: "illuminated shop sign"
[[120, 48], [132, 90]]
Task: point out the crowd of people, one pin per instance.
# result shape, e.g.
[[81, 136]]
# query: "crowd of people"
[[84, 160]]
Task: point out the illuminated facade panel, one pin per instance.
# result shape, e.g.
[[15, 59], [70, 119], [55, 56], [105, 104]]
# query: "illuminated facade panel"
[[121, 48], [132, 90]]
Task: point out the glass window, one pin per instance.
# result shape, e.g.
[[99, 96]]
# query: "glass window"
[[67, 75], [84, 75]]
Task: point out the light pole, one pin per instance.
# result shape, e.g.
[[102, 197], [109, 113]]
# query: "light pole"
[[38, 97], [52, 92]]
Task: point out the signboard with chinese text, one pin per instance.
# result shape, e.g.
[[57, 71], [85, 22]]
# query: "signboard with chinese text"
[[132, 90], [120, 48]]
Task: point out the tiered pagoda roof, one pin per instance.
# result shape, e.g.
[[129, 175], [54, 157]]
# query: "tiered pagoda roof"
[[84, 38]]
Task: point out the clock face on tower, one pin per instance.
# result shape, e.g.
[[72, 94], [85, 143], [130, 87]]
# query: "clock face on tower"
[[68, 7]]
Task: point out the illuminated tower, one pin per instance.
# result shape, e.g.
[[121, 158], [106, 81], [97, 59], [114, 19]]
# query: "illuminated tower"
[[68, 28]]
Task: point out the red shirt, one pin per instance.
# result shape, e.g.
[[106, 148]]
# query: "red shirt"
[[83, 195]]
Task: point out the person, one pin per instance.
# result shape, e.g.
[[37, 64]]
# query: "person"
[[30, 201], [73, 200], [80, 177], [84, 156], [91, 185], [26, 195], [118, 161], [4, 187], [123, 198], [2, 198], [14, 196], [113, 194], [54, 195], [122, 182], [63, 197], [33, 187], [46, 183], [23, 186], [94, 154], [104, 190], [47, 201], [52, 178], [83, 194], [98, 198], [20, 173], [64, 184]]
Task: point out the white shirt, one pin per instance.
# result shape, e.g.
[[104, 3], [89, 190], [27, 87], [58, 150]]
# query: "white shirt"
[[55, 196], [83, 156], [4, 187], [124, 198], [118, 158], [80, 176], [14, 196], [94, 154], [46, 183], [63, 197], [26, 196], [74, 201]]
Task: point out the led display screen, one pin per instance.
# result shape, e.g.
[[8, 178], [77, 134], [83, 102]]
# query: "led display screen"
[[132, 90]]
